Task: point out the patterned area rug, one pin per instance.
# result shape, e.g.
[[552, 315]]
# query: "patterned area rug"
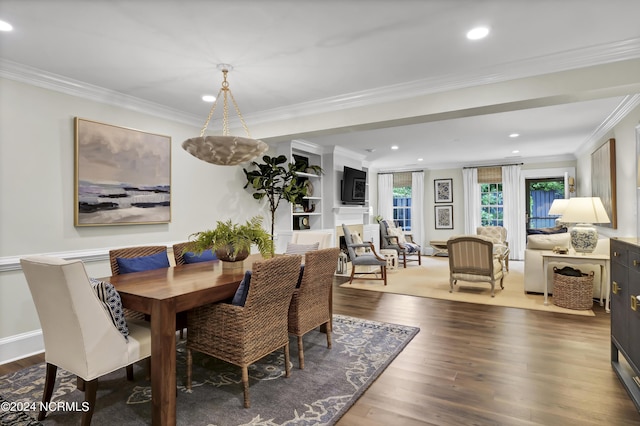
[[318, 395]]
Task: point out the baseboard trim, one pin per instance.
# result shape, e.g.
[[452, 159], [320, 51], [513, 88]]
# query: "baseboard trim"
[[20, 346]]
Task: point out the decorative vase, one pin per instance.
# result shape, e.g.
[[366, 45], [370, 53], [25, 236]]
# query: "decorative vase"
[[229, 261], [584, 238]]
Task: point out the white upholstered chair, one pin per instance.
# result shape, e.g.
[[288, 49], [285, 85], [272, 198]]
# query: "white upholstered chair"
[[497, 234], [312, 237], [471, 259], [79, 333]]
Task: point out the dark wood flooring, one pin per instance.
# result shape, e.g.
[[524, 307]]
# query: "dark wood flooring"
[[484, 365]]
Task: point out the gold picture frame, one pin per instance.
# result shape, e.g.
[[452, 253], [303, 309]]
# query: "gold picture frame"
[[603, 179], [122, 175]]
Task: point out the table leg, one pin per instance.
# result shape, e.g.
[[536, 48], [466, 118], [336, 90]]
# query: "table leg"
[[163, 362], [545, 266]]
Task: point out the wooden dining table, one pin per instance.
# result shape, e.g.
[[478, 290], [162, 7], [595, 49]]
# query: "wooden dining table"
[[162, 293]]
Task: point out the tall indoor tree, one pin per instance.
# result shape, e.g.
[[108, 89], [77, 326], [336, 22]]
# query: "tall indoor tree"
[[277, 179]]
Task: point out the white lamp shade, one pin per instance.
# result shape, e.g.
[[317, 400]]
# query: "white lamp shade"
[[585, 210], [558, 206]]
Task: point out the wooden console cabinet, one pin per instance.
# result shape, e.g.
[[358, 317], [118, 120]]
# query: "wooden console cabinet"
[[625, 314]]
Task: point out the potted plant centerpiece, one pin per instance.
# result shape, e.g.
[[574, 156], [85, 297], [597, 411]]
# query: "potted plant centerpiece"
[[231, 242]]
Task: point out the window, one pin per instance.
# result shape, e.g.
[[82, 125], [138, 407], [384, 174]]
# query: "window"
[[491, 208], [402, 200]]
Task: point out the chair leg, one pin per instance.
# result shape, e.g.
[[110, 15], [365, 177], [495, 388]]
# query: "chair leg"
[[49, 382], [328, 331], [287, 361], [451, 285], [245, 386], [493, 285], [353, 272], [130, 372], [404, 259], [189, 365], [301, 352], [419, 258], [384, 274], [91, 387]]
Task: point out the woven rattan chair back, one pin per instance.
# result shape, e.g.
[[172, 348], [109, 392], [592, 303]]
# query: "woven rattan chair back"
[[311, 303], [178, 253], [241, 335], [131, 252]]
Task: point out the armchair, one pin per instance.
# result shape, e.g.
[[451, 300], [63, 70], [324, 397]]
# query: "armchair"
[[370, 258], [471, 259], [497, 234], [79, 333], [393, 238]]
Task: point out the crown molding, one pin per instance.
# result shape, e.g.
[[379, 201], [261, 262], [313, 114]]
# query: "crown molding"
[[46, 80], [557, 62]]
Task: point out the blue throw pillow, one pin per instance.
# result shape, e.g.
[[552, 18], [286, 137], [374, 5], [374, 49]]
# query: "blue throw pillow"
[[243, 289], [144, 263], [205, 256]]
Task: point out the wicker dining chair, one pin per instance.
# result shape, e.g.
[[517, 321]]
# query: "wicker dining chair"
[[311, 303], [178, 253], [183, 256], [135, 252], [241, 335]]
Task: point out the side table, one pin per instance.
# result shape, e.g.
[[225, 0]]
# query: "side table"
[[574, 258], [391, 256], [439, 248]]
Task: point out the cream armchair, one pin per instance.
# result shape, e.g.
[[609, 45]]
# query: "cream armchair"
[[79, 333], [312, 237], [497, 234], [471, 258]]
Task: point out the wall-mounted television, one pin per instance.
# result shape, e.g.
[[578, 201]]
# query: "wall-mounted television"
[[354, 186]]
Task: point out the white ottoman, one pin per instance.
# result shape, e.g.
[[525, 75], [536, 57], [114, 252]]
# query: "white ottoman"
[[391, 256]]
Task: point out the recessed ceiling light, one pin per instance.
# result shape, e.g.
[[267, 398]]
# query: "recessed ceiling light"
[[5, 26], [420, 159], [478, 33], [394, 147], [514, 135], [515, 151], [208, 98]]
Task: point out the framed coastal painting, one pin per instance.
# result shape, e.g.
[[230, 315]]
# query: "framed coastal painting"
[[603, 179], [443, 190], [122, 175], [444, 217]]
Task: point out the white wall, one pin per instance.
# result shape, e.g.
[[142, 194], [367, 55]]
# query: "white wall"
[[626, 158], [37, 191]]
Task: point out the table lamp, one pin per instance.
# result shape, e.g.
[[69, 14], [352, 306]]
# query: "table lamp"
[[584, 212], [557, 208]]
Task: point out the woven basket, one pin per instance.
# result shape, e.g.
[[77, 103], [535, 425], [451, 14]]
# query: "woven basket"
[[573, 292]]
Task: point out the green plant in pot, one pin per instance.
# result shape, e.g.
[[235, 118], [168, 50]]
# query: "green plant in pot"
[[277, 179], [231, 242]]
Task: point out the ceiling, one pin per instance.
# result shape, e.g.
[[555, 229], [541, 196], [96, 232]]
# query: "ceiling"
[[295, 58]]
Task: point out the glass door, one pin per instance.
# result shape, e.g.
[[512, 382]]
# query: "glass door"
[[540, 194]]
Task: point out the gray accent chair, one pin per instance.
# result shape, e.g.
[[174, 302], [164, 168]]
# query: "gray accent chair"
[[370, 258], [411, 252]]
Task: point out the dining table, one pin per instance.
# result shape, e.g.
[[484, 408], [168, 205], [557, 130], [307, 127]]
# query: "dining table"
[[162, 293]]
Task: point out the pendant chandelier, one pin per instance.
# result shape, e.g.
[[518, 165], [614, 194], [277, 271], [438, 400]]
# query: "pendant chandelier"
[[225, 150]]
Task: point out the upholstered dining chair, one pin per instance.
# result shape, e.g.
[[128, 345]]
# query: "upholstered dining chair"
[[143, 258], [241, 335], [394, 238], [497, 234], [471, 259], [80, 335], [368, 258], [311, 301]]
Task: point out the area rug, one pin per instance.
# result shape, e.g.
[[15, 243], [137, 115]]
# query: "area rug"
[[431, 279], [332, 380]]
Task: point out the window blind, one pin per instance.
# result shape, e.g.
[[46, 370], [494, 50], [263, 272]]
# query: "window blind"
[[402, 179], [489, 174]]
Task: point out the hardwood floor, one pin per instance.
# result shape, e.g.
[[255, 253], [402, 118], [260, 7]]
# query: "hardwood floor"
[[483, 365]]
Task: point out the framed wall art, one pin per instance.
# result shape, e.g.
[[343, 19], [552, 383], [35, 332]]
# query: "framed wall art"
[[444, 217], [603, 179], [122, 175], [443, 190]]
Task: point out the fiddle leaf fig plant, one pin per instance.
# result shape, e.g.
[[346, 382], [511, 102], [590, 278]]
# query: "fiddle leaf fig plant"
[[278, 179]]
